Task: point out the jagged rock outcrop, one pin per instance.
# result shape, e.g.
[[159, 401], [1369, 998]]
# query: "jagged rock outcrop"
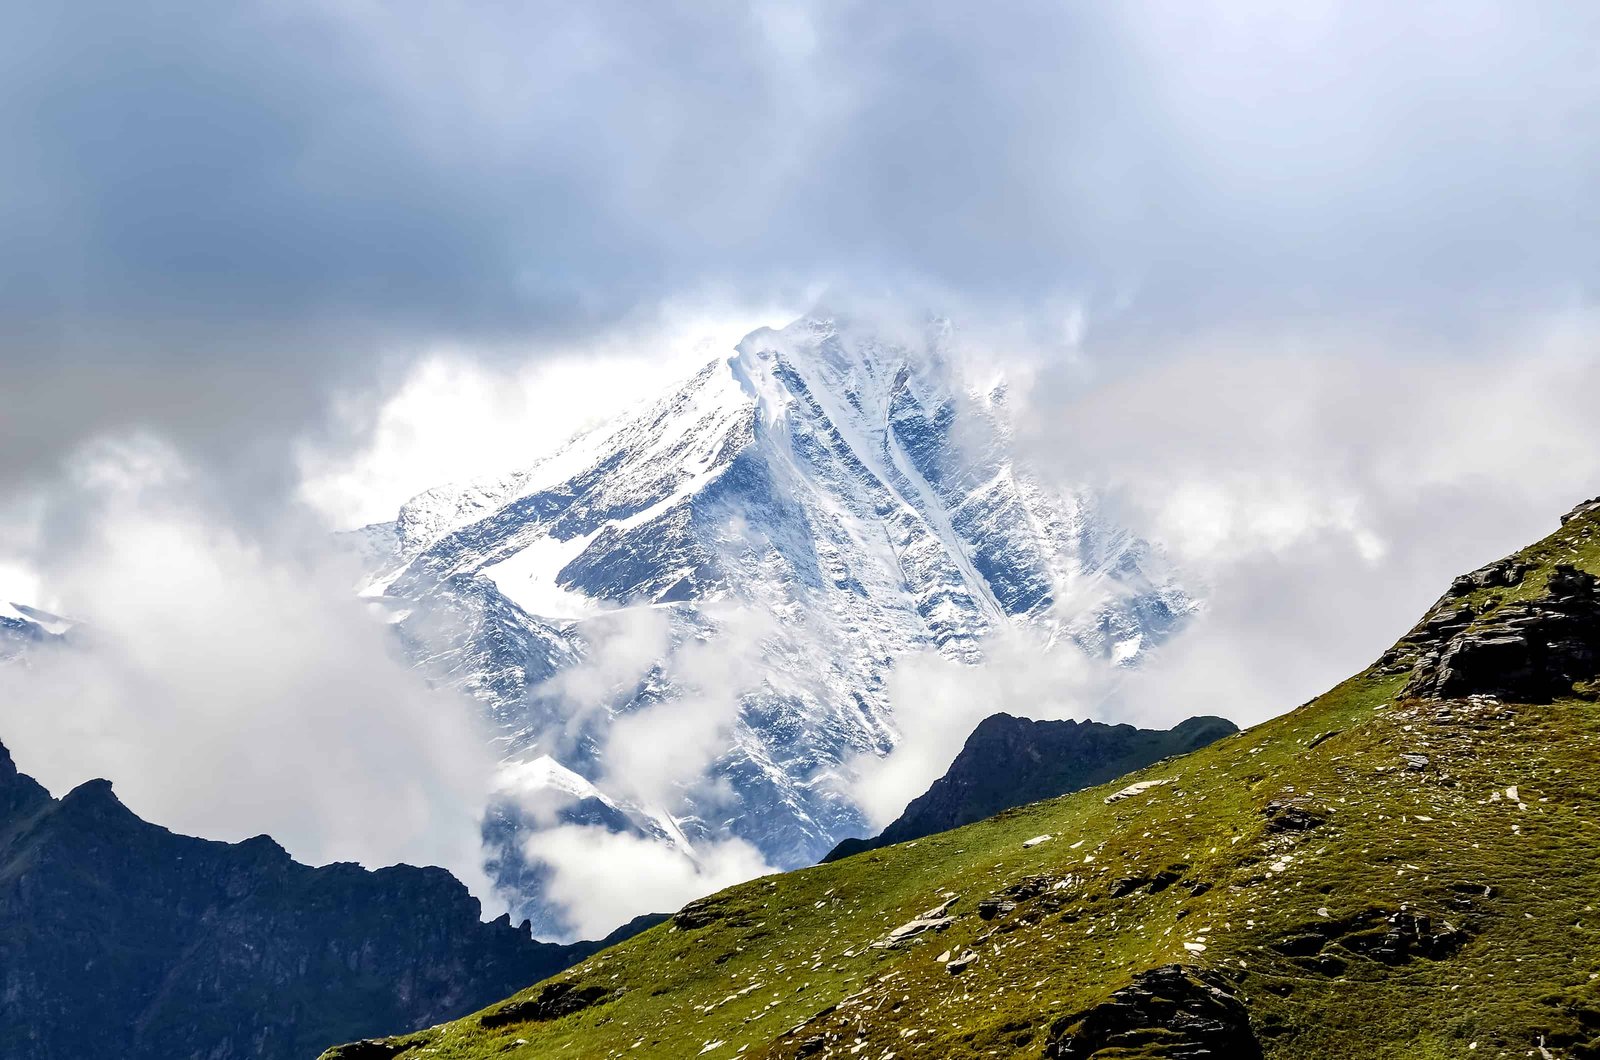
[[1391, 937], [1175, 1011], [1292, 815], [552, 1002], [119, 938], [1009, 761], [1529, 651], [1588, 507]]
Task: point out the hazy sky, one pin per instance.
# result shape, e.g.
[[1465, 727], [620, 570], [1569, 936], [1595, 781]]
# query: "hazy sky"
[[1308, 288], [218, 215]]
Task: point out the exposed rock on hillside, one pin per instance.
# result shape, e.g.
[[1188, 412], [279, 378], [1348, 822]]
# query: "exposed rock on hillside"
[[553, 1002], [1589, 507], [1176, 1011], [1529, 650], [1388, 937]]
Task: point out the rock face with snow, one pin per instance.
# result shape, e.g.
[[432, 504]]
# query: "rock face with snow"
[[748, 557], [23, 627]]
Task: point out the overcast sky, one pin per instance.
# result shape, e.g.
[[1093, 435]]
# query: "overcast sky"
[[1307, 288], [218, 215]]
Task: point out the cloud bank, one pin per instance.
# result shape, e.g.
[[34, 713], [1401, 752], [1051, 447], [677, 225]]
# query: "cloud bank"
[[225, 216], [1321, 490], [229, 688], [603, 879], [1273, 273], [1317, 488], [695, 672]]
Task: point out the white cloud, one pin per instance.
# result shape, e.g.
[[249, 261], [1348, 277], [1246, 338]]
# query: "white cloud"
[[938, 702], [605, 878], [1319, 489], [1316, 489], [514, 177], [461, 415], [20, 584], [230, 688], [621, 648], [710, 674], [653, 756]]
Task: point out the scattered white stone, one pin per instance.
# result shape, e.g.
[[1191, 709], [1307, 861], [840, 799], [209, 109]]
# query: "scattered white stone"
[[719, 1043], [1138, 789], [961, 962], [1195, 947], [1035, 841], [912, 928]]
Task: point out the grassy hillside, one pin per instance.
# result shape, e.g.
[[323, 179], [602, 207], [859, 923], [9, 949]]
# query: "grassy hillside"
[[1369, 875]]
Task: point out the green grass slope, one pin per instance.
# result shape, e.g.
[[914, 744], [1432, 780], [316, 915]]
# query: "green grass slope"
[[1370, 875]]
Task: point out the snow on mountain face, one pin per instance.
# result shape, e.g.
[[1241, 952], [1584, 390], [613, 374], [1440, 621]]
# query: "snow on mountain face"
[[23, 628], [744, 561]]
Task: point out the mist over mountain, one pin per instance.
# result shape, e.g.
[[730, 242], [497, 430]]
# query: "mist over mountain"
[[684, 624]]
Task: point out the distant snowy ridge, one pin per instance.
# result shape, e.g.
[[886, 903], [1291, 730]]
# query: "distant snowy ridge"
[[790, 521], [23, 627]]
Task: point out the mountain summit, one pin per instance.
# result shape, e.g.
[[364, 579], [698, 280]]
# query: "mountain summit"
[[751, 555]]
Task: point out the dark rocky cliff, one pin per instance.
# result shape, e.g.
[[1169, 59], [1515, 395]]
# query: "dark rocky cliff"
[[119, 938], [1009, 761]]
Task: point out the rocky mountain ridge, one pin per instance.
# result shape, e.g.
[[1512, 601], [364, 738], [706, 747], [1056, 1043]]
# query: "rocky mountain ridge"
[[120, 938]]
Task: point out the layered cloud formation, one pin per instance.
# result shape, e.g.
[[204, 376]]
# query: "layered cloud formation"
[[221, 214], [1308, 291]]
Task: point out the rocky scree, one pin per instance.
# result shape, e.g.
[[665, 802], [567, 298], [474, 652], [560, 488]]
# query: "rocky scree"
[[1175, 1011]]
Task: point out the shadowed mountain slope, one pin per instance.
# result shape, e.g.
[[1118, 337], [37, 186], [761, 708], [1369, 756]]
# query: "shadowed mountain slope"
[[119, 938], [1010, 761]]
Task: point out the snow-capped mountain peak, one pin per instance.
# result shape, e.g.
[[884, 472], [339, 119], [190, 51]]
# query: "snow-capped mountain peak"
[[781, 529]]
